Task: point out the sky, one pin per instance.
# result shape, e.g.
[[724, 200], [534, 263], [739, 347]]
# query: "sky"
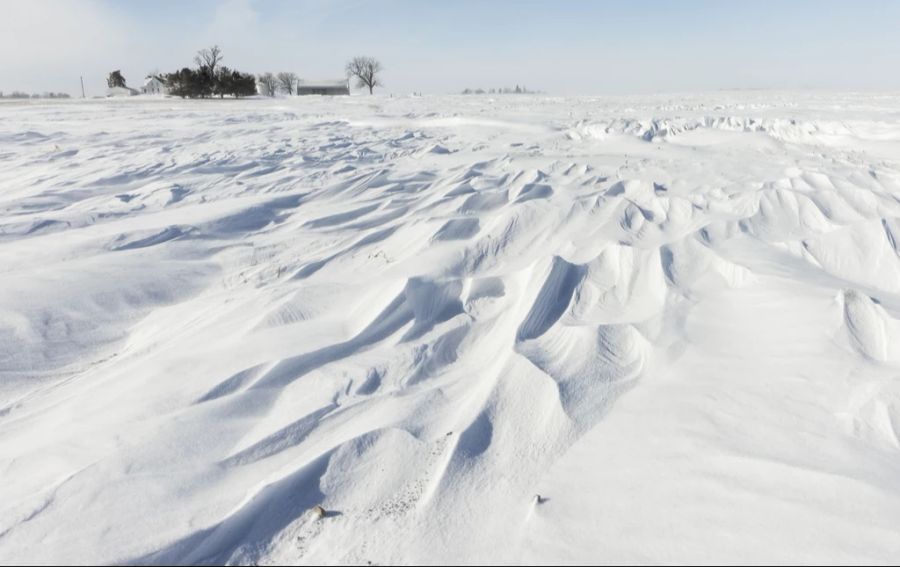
[[445, 46]]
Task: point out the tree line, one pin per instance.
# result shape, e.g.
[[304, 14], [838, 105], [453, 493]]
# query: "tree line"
[[366, 71], [20, 95], [504, 90], [210, 78]]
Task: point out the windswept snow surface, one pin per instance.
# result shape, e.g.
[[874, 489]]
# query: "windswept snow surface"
[[676, 319]]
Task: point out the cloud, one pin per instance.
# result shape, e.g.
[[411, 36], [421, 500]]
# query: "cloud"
[[47, 44], [43, 31], [234, 19], [235, 26]]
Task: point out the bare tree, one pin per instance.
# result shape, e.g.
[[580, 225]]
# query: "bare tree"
[[268, 84], [366, 70], [286, 82], [209, 58]]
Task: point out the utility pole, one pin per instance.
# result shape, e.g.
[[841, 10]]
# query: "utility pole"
[[82, 86]]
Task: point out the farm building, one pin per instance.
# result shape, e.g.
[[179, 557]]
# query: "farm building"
[[120, 91], [154, 85], [327, 87]]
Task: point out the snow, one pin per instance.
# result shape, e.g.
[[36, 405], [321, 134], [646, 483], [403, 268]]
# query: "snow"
[[673, 318]]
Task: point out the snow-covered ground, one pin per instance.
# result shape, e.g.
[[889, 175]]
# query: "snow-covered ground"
[[676, 319]]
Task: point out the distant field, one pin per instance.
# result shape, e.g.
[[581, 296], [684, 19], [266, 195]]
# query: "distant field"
[[674, 318]]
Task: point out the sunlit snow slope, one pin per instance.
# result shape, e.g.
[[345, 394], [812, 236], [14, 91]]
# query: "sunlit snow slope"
[[676, 319]]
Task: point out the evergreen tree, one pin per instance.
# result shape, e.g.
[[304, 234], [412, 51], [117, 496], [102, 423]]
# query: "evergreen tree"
[[115, 79], [244, 84], [209, 79], [179, 82]]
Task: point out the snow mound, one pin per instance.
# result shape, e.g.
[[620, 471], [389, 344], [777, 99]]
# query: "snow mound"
[[782, 129], [371, 330]]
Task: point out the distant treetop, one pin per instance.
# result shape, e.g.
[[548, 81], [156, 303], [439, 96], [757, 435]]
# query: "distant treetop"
[[504, 90]]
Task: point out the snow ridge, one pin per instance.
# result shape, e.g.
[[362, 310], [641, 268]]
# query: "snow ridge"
[[669, 318]]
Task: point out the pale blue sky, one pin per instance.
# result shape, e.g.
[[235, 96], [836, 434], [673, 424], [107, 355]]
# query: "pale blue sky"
[[564, 47]]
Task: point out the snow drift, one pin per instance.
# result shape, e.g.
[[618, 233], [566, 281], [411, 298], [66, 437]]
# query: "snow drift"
[[675, 320]]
